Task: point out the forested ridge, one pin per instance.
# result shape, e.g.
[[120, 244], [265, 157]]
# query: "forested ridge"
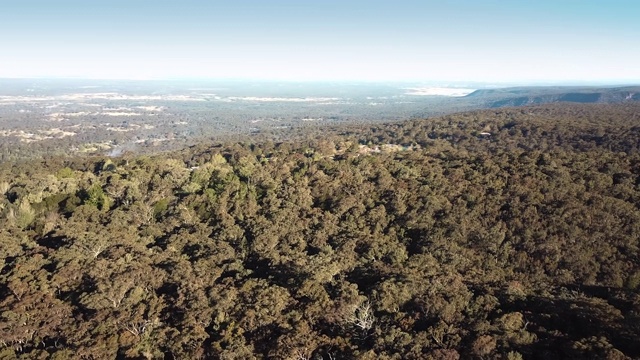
[[498, 234]]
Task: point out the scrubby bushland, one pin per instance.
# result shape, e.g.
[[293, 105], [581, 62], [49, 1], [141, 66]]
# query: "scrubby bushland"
[[508, 234]]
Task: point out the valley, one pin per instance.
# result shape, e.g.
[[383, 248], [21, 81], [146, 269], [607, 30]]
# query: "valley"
[[67, 117]]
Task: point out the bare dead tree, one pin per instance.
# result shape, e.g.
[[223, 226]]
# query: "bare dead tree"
[[362, 316]]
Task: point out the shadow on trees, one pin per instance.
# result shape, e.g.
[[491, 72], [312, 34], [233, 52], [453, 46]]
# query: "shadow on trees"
[[53, 242], [585, 314], [276, 274]]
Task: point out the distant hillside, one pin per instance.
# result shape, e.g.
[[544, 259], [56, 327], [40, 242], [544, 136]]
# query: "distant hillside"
[[89, 117], [520, 96]]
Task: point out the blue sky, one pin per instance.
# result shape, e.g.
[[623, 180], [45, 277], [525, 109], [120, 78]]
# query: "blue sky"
[[400, 40]]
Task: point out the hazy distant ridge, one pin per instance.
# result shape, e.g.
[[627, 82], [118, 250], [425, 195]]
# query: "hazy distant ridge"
[[519, 96]]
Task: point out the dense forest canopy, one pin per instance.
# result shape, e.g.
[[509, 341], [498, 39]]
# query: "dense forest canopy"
[[506, 233]]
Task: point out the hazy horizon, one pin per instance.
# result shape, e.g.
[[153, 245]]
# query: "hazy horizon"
[[362, 82], [546, 42]]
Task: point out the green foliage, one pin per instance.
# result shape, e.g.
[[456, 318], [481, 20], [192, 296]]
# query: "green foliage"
[[95, 196], [108, 165], [192, 187], [160, 207], [65, 173], [53, 202], [23, 216], [70, 203]]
